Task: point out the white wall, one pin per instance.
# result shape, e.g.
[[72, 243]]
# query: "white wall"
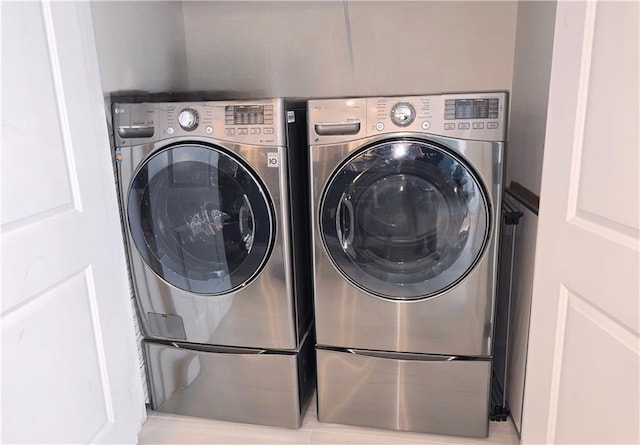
[[525, 149], [305, 48], [310, 49], [531, 74], [141, 45]]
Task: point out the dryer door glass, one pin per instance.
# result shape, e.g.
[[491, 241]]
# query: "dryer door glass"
[[200, 219], [405, 219]]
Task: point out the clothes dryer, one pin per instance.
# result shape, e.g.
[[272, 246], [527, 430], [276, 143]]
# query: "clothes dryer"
[[406, 196], [216, 239]]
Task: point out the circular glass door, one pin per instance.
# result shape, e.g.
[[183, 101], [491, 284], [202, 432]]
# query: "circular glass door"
[[200, 219], [404, 219]]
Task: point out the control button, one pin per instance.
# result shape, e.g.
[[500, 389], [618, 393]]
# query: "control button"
[[255, 131], [426, 125], [170, 130], [492, 125], [267, 130], [463, 126], [450, 126], [478, 125], [209, 130], [230, 131], [379, 126], [188, 119], [243, 131]]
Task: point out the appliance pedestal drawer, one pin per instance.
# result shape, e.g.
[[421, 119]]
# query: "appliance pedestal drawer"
[[402, 391], [265, 387]]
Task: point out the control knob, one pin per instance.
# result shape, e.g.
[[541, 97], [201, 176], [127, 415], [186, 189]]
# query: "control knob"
[[188, 119], [403, 114]]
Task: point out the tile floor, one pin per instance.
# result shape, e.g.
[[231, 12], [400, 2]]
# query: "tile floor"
[[161, 428]]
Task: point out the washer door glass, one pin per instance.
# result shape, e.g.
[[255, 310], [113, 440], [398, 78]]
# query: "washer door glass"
[[404, 219], [200, 219]]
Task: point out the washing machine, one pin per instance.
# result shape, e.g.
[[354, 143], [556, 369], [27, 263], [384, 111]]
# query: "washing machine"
[[215, 212], [406, 196]]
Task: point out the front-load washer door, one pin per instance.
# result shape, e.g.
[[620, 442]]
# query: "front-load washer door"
[[200, 219], [404, 219]]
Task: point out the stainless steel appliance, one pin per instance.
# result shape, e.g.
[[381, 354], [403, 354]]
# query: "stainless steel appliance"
[[216, 240], [406, 196]]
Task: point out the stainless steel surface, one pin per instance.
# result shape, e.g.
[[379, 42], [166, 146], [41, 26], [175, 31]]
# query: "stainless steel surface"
[[245, 355], [435, 396], [336, 128], [208, 119], [188, 119], [377, 116], [458, 322], [418, 359], [405, 355], [252, 386], [259, 314]]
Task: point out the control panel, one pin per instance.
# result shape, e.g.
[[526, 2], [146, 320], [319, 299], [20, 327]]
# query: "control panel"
[[473, 116], [253, 123]]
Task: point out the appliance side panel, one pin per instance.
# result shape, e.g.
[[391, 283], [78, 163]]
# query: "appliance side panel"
[[306, 370], [300, 224]]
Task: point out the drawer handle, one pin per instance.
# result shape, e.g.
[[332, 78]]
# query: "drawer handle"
[[407, 356], [338, 128]]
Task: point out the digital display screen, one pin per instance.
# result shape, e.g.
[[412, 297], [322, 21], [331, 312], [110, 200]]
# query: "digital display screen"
[[248, 115], [471, 109]]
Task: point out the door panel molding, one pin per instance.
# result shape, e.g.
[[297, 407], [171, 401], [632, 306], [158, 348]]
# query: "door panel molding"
[[570, 302], [78, 371], [581, 109], [56, 74], [598, 224], [625, 236], [556, 372], [99, 340]]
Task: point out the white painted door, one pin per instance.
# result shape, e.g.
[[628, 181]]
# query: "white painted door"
[[69, 362], [583, 365]]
